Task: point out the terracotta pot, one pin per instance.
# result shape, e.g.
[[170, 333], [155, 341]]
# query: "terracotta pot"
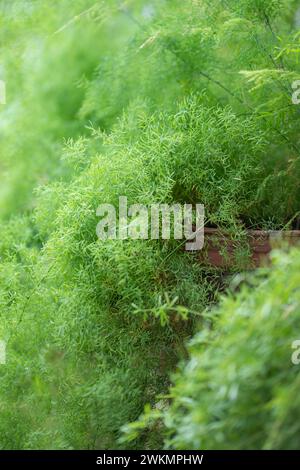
[[222, 251]]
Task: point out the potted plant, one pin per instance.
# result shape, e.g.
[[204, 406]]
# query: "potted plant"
[[221, 250]]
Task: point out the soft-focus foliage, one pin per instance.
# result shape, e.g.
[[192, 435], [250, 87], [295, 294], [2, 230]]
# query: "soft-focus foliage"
[[239, 389], [160, 101]]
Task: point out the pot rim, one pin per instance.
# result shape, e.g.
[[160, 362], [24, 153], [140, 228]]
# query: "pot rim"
[[256, 233]]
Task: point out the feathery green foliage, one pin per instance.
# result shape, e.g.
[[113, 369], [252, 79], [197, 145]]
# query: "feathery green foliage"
[[239, 389], [149, 100]]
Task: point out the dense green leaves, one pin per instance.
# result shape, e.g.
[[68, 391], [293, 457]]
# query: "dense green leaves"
[[159, 101], [239, 388]]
